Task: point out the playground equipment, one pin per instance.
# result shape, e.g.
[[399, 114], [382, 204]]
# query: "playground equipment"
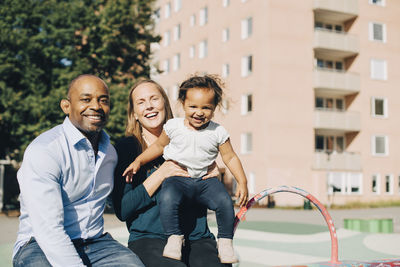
[[334, 261]]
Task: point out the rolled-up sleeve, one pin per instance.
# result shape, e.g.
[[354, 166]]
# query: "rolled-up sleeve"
[[39, 179]]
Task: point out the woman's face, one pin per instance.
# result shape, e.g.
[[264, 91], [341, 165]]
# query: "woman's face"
[[149, 107]]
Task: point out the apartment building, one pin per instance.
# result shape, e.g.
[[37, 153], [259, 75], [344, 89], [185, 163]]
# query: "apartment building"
[[312, 89]]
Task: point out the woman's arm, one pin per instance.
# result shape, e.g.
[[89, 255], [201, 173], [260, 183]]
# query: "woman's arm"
[[233, 163], [129, 198], [167, 169]]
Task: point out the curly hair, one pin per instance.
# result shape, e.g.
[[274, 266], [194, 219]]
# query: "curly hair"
[[208, 81]]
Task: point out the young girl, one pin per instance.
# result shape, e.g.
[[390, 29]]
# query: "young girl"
[[194, 142]]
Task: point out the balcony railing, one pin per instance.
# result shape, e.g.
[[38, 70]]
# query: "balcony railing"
[[336, 44], [336, 10], [336, 81], [345, 161], [347, 121]]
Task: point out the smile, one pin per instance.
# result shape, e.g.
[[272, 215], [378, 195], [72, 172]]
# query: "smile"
[[151, 115], [95, 117]]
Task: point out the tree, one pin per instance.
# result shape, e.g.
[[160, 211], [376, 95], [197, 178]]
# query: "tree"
[[44, 44]]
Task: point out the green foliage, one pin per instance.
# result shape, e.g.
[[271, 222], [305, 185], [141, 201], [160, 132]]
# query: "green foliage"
[[44, 44]]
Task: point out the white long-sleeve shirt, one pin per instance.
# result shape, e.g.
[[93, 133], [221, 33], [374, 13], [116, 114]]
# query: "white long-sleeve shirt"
[[63, 191]]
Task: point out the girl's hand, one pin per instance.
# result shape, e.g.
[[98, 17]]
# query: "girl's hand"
[[242, 194], [131, 170], [212, 171], [171, 168]]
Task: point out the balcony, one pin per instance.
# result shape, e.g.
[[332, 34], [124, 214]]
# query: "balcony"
[[335, 44], [336, 82], [346, 121], [336, 10], [345, 161]]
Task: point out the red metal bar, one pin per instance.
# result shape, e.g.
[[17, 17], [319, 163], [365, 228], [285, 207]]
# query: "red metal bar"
[[301, 192]]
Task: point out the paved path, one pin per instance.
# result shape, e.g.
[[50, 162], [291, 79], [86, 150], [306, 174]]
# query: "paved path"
[[275, 237]]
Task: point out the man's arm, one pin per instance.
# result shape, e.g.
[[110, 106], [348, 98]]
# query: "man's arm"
[[233, 163], [39, 178], [151, 153]]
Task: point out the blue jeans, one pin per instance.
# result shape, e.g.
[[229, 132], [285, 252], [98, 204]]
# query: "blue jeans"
[[209, 192], [102, 251]]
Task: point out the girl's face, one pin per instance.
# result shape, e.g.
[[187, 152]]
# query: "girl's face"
[[199, 107], [149, 107]]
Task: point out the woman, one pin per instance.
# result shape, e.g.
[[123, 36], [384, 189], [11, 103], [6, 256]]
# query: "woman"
[[136, 203]]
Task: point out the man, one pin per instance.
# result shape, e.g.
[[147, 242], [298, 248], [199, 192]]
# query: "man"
[[65, 178]]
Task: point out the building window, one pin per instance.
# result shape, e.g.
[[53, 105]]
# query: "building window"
[[174, 92], [329, 103], [177, 32], [380, 146], [252, 183], [329, 65], [247, 104], [203, 49], [177, 62], [345, 183], [318, 25], [167, 38], [378, 69], [247, 65], [225, 35], [203, 16], [225, 70], [377, 2], [377, 32], [166, 66], [225, 3], [246, 143], [177, 5], [157, 15], [376, 184], [225, 106], [192, 51], [389, 184], [398, 183], [329, 143], [167, 10], [247, 28], [379, 107], [192, 20]]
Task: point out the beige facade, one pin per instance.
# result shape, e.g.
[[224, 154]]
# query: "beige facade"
[[313, 89]]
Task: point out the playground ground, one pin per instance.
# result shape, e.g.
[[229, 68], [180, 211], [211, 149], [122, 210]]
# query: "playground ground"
[[270, 237]]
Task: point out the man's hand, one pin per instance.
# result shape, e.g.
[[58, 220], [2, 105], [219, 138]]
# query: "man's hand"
[[242, 194], [132, 169]]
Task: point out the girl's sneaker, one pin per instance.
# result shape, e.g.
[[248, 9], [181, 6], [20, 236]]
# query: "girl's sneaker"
[[226, 253], [173, 248]]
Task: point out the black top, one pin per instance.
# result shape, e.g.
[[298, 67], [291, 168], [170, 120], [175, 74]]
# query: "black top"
[[133, 204]]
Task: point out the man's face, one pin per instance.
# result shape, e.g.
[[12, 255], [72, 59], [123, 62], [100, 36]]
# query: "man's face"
[[88, 105]]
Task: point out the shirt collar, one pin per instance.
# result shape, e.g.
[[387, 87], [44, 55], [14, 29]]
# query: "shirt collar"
[[75, 136]]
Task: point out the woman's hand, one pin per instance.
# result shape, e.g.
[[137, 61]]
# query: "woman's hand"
[[242, 194], [167, 169], [212, 171], [171, 168]]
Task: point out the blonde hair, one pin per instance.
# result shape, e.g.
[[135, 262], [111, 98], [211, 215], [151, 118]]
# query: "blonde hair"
[[133, 127]]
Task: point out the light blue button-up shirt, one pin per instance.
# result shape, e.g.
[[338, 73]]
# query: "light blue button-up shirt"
[[64, 187]]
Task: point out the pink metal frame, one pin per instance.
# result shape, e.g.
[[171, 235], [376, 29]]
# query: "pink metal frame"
[[301, 192]]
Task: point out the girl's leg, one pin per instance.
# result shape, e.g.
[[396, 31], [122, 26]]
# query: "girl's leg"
[[169, 200], [212, 193]]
